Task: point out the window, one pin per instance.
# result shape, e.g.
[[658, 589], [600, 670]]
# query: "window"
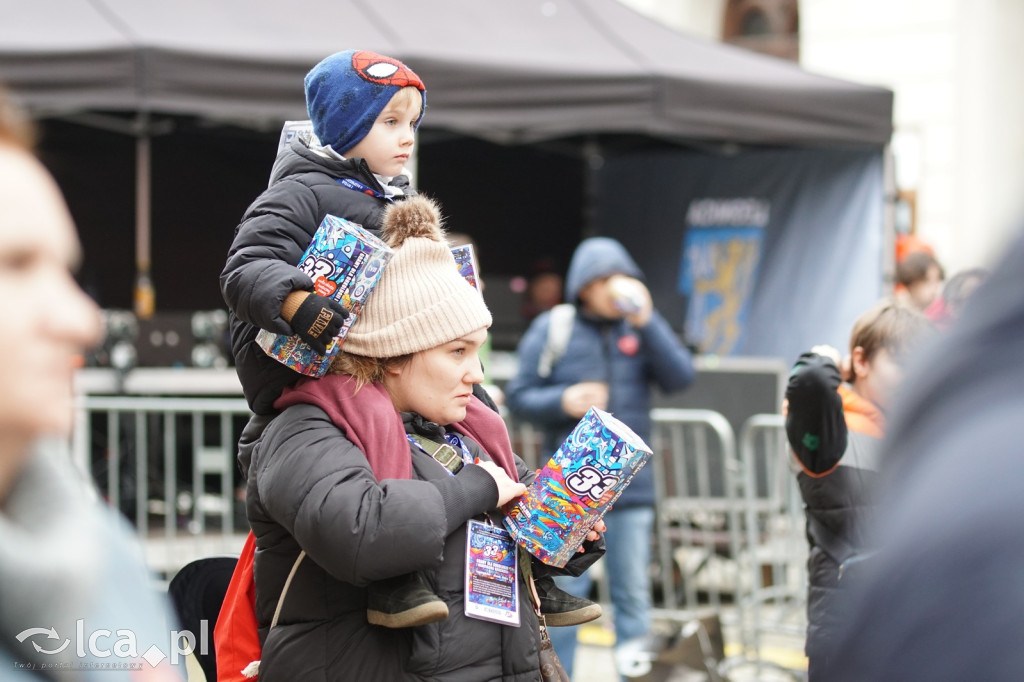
[[766, 26]]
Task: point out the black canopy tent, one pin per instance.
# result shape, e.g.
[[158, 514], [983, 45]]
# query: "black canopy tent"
[[511, 72]]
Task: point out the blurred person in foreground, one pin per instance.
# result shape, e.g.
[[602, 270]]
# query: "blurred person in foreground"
[[835, 420], [944, 599], [616, 347], [71, 573]]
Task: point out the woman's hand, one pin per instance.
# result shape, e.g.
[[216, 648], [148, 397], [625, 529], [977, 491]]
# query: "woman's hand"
[[508, 489]]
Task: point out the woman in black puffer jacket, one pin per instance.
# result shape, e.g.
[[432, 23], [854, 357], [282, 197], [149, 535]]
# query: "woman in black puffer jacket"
[[348, 486]]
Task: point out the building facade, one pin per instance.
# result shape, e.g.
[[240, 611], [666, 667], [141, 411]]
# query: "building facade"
[[953, 65]]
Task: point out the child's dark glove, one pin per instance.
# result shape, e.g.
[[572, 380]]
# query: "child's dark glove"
[[318, 320]]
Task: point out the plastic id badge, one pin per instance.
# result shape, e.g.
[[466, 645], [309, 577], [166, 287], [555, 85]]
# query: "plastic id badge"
[[492, 570]]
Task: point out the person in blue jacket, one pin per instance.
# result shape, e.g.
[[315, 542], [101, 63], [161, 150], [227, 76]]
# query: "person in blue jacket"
[[604, 348]]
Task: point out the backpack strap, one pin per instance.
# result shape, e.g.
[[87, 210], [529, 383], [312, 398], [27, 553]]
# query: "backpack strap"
[[252, 670], [445, 454], [284, 590], [560, 321]]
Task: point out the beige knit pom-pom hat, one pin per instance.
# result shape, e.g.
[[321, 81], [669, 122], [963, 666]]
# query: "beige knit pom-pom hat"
[[421, 300]]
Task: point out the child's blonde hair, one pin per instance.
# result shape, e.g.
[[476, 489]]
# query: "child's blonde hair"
[[408, 97]]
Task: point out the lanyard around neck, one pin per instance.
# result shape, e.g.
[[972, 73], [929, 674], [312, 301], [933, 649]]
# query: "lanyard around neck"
[[362, 188]]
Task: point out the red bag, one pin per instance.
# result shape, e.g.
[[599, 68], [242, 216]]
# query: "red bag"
[[236, 638]]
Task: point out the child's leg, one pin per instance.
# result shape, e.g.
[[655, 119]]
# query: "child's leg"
[[403, 602]]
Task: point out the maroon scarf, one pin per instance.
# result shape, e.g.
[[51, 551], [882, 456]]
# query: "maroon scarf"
[[371, 422]]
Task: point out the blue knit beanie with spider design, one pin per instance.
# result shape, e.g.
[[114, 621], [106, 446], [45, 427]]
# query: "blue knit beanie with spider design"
[[346, 92]]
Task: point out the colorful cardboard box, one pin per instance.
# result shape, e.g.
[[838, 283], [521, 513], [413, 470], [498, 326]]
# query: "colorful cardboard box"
[[465, 259], [345, 262], [576, 487]]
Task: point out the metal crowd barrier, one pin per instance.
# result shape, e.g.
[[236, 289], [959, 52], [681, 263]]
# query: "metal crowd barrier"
[[775, 602], [729, 535], [698, 509], [153, 458], [526, 439], [729, 526], [729, 532]]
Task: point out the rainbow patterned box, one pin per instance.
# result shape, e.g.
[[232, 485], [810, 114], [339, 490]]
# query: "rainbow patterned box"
[[576, 487], [465, 259], [345, 262]]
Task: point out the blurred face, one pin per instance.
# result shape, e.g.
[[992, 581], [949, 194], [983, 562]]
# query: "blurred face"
[[878, 378], [924, 291], [388, 145], [546, 290], [46, 321], [438, 383], [597, 299]]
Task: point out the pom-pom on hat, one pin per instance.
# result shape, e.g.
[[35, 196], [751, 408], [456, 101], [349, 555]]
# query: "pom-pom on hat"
[[346, 92], [421, 300]]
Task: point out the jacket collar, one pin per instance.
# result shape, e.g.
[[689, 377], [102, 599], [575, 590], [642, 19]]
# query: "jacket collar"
[[862, 415]]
